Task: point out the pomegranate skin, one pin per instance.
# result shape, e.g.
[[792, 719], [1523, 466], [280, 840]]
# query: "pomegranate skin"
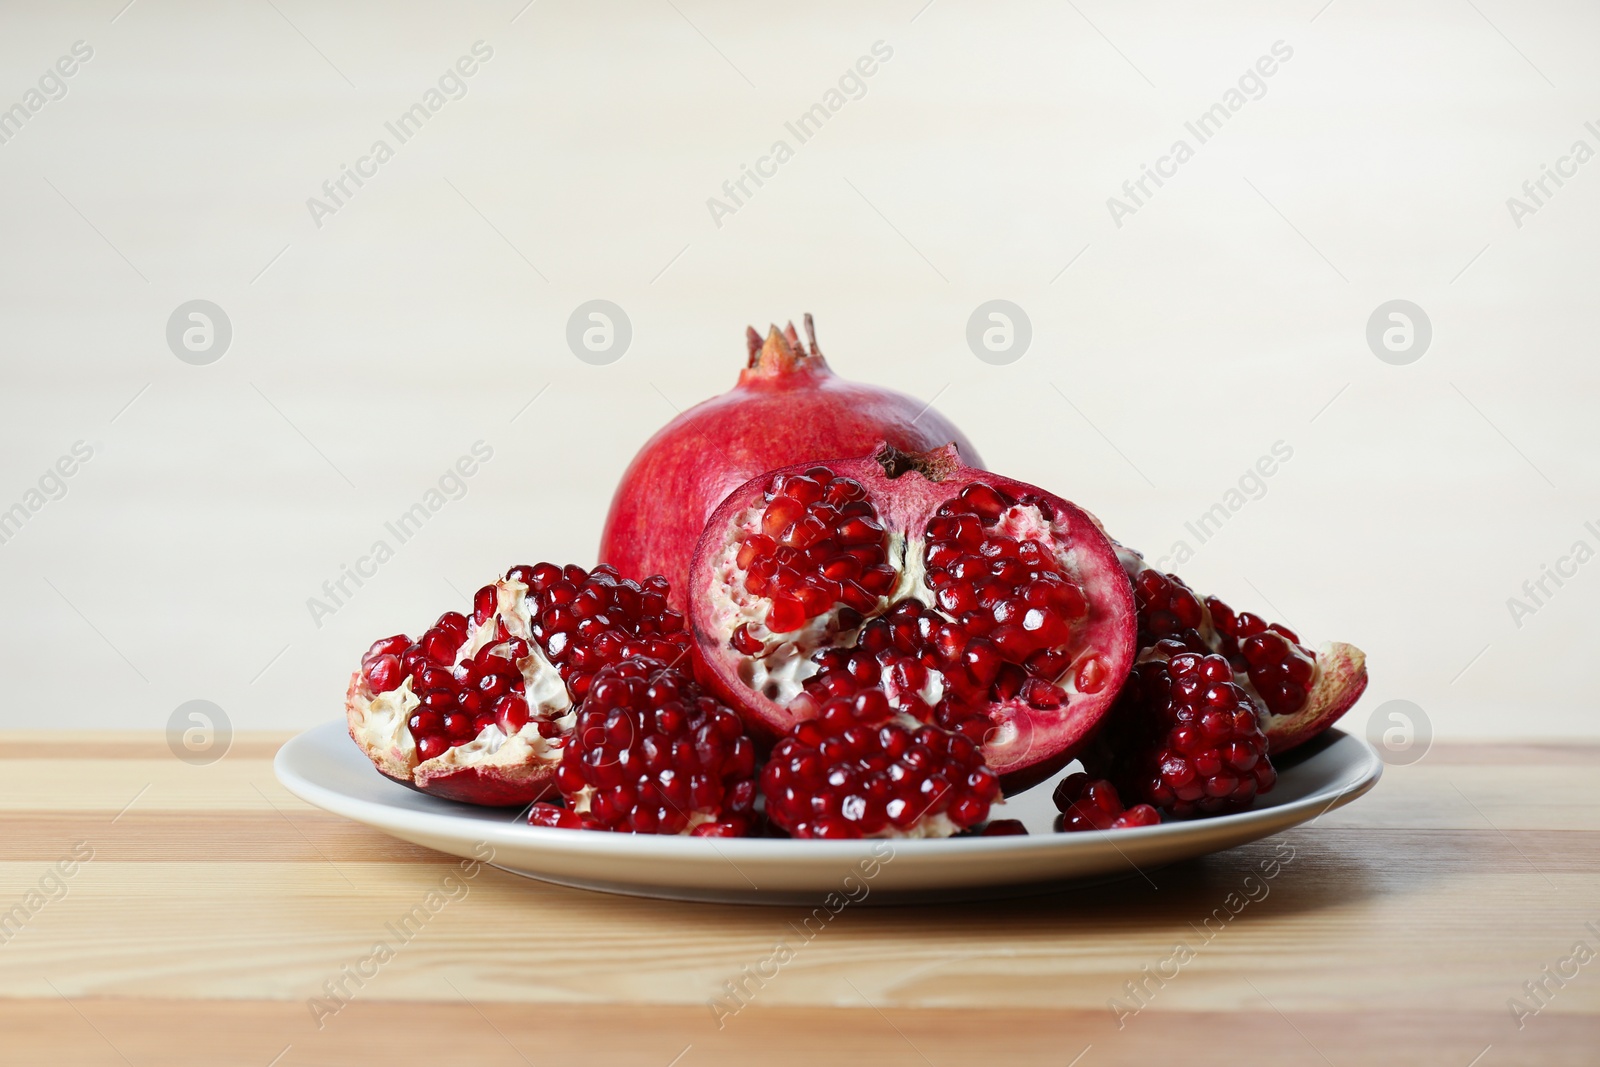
[[787, 407]]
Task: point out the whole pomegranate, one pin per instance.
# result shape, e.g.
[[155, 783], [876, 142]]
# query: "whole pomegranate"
[[787, 407], [974, 603]]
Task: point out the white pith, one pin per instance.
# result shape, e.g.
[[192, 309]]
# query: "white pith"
[[382, 725], [939, 825], [382, 722]]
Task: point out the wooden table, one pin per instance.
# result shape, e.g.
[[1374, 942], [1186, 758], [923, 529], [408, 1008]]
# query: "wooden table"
[[215, 907]]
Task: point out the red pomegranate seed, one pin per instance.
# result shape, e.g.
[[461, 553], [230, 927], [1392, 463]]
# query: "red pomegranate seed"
[[384, 674], [743, 641], [787, 614]]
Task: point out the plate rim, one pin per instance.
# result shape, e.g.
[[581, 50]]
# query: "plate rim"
[[517, 832]]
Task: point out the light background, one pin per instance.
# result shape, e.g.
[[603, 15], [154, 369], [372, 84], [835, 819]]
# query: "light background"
[[1227, 314]]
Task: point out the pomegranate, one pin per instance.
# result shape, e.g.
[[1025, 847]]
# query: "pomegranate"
[[477, 709], [1184, 738], [653, 754], [854, 772], [1087, 804], [1297, 692], [788, 406], [971, 602]]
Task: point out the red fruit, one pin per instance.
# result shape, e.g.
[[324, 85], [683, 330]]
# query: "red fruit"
[[1184, 738], [1095, 805], [651, 753], [982, 605], [1004, 828], [1297, 692], [788, 406], [475, 709], [854, 771]]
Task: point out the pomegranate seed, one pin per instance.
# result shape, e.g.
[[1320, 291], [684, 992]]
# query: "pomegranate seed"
[[483, 604], [985, 501], [387, 646], [805, 489], [511, 713], [1092, 675], [787, 614], [780, 515], [384, 674], [439, 646], [745, 643]]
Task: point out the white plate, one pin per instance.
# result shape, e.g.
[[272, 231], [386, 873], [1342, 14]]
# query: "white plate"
[[324, 767]]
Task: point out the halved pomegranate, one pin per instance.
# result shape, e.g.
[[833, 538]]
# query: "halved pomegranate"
[[477, 709], [1297, 692], [979, 604]]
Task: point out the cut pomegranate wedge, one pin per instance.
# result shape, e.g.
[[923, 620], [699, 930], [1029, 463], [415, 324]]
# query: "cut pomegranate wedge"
[[653, 754], [1183, 739], [477, 709], [1297, 692], [854, 772], [976, 603]]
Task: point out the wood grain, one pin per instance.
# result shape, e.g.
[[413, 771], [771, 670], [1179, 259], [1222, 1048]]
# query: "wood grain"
[[216, 909]]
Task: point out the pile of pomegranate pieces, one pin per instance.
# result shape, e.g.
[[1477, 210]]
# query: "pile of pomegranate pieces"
[[879, 646]]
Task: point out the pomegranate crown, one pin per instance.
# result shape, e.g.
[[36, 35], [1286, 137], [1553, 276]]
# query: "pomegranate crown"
[[781, 351]]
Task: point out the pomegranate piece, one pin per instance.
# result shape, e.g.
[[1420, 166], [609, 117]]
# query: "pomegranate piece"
[[1095, 805], [476, 709], [972, 602], [1297, 692], [1183, 738], [652, 753], [854, 771], [788, 406]]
